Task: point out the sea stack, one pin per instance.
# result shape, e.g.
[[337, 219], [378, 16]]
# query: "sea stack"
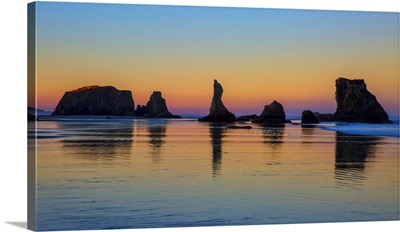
[[218, 112], [247, 117], [356, 104], [141, 110], [96, 100], [272, 115], [328, 117], [308, 117], [32, 117], [156, 107]]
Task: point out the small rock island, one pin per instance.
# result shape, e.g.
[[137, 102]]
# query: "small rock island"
[[156, 107], [96, 100], [272, 115], [308, 117], [218, 112], [356, 104]]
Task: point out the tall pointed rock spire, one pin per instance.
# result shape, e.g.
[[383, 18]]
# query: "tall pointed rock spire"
[[218, 112]]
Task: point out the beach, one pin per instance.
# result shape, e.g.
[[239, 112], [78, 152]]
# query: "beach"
[[121, 172]]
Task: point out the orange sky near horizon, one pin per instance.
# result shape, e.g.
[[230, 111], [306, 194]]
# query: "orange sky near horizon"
[[293, 59]]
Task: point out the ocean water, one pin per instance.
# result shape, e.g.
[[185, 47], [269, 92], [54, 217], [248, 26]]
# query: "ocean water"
[[391, 130], [99, 173]]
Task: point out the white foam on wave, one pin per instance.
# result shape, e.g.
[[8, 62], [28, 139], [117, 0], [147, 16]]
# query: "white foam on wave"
[[390, 130]]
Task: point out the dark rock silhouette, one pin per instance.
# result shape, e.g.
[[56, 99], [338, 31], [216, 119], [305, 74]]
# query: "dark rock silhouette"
[[96, 100], [156, 107], [32, 117], [324, 117], [247, 117], [272, 115], [238, 127], [308, 117], [141, 110], [273, 123], [218, 112], [356, 104]]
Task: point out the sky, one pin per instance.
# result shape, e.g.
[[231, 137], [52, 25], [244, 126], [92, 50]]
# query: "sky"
[[258, 55]]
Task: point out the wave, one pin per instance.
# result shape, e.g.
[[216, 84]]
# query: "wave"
[[389, 130]]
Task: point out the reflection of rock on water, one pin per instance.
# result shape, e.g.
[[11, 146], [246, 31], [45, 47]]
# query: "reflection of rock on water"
[[273, 140], [307, 130], [352, 151], [97, 141], [351, 154], [273, 136], [157, 134], [307, 134], [216, 133]]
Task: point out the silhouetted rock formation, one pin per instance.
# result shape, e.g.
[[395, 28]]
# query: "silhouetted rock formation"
[[324, 117], [96, 100], [239, 127], [247, 117], [156, 107], [272, 115], [141, 110], [218, 112], [32, 117], [356, 104], [308, 117]]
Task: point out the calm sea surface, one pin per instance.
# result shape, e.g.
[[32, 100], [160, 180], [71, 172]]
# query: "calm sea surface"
[[96, 173]]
